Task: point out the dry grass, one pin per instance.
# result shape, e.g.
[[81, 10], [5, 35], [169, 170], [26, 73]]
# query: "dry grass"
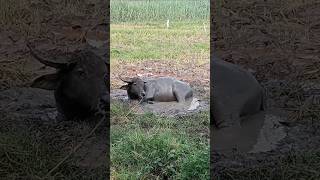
[[277, 38], [52, 20], [35, 18], [280, 40]]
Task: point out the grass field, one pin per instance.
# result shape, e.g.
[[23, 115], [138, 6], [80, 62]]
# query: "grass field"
[[150, 147], [153, 41], [154, 10], [147, 146]]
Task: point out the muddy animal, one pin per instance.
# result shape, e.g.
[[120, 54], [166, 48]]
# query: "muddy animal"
[[80, 84], [236, 94], [163, 89]]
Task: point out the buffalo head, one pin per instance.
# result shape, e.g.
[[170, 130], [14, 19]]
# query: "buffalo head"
[[80, 84], [135, 87]]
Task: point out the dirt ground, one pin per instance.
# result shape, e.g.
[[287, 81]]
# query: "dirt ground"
[[279, 41], [27, 114]]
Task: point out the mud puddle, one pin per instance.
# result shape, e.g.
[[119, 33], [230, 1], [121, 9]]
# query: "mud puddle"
[[33, 111], [168, 109], [258, 133]]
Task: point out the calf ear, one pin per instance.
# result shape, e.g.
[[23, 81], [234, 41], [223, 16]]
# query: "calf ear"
[[48, 82], [124, 87]]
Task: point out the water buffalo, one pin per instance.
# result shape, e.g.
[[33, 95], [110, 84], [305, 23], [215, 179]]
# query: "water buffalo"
[[81, 83], [163, 89], [236, 93]]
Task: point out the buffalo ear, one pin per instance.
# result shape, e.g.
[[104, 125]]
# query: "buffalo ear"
[[48, 82], [124, 87]]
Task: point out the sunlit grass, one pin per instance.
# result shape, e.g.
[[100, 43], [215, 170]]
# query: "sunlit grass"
[[150, 147], [131, 42], [156, 10]]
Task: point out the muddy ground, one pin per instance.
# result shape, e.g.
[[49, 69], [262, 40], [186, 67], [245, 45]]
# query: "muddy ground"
[[279, 41], [167, 109], [33, 142]]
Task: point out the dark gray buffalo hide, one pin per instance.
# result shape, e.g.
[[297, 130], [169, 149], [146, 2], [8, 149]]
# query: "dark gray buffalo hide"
[[163, 89], [236, 94]]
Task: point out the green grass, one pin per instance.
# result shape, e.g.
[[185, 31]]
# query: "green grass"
[[139, 30], [159, 10], [150, 147], [150, 41]]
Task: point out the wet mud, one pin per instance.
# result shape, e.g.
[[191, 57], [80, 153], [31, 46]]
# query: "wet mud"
[[168, 109], [258, 133], [34, 111]]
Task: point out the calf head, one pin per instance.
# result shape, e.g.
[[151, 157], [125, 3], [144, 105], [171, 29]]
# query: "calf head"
[[135, 87], [81, 82]]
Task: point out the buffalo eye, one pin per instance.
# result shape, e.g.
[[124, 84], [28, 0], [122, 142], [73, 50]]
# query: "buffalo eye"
[[134, 83], [81, 72]]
